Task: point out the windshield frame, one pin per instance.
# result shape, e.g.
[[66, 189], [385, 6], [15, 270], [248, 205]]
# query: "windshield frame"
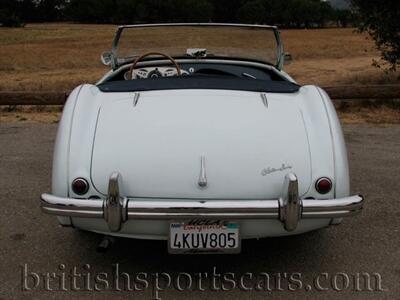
[[117, 62]]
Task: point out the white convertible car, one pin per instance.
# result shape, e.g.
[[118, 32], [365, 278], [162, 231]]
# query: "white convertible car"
[[197, 136]]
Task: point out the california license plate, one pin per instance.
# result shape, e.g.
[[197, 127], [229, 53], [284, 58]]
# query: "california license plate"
[[204, 236]]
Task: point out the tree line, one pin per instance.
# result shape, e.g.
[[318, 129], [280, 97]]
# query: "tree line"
[[285, 13]]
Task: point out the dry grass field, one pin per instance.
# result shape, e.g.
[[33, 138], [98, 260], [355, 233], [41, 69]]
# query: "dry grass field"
[[52, 56], [61, 56], [379, 115], [334, 57]]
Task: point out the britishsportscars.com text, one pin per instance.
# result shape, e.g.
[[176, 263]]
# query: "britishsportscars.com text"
[[84, 279]]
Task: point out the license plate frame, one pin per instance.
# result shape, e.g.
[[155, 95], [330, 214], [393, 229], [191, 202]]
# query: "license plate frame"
[[202, 229]]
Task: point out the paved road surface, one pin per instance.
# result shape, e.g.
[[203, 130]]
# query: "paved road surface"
[[367, 243]]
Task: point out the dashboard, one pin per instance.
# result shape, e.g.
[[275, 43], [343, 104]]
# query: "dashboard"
[[211, 69], [155, 72]]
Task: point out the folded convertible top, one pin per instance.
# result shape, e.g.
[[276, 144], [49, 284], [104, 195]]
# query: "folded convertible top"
[[199, 82]]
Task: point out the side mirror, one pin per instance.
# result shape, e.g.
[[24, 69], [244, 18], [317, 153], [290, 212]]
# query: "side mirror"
[[106, 58], [288, 58]]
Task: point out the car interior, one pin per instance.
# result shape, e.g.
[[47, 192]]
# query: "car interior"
[[213, 73]]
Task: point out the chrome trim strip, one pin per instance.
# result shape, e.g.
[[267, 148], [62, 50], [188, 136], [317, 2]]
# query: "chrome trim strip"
[[55, 201], [203, 177], [116, 210], [209, 215], [136, 97], [73, 212], [249, 209], [264, 99], [198, 24], [242, 209], [160, 204]]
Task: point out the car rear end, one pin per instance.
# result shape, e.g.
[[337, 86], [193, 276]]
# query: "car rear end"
[[202, 169]]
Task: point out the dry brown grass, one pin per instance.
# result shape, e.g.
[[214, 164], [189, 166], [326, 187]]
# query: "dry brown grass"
[[334, 56], [30, 117], [52, 56], [30, 114], [382, 115], [367, 115], [61, 56]]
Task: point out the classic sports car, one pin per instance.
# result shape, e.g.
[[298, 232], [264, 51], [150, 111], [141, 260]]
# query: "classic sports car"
[[196, 135]]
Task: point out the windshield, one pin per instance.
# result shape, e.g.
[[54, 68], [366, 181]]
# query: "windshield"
[[260, 43]]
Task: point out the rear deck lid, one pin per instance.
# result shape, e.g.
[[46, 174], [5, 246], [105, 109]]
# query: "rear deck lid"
[[157, 145]]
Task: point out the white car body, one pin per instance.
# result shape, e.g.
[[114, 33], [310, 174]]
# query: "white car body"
[[200, 153]]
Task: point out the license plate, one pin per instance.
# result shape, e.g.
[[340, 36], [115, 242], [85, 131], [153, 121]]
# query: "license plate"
[[204, 236]]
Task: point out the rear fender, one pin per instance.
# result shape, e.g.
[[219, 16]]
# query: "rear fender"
[[319, 137], [342, 186]]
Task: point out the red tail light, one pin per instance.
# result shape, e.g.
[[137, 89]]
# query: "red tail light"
[[80, 186], [323, 185]]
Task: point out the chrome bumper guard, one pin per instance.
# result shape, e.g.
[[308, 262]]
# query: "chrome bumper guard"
[[116, 210]]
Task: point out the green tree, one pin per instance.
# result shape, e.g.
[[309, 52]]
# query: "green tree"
[[92, 11], [225, 10], [200, 11], [189, 11], [14, 13], [278, 13], [325, 13], [381, 20], [288, 13], [252, 12], [344, 17], [303, 13], [49, 10]]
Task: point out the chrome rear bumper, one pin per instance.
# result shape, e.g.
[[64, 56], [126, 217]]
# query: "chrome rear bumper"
[[116, 210]]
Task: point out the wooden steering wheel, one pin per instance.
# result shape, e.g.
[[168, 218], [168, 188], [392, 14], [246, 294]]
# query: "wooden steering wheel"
[[178, 69]]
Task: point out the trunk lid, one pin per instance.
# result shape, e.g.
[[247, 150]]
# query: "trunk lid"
[[157, 145]]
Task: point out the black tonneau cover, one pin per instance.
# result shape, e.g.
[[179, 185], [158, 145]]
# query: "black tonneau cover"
[[199, 82]]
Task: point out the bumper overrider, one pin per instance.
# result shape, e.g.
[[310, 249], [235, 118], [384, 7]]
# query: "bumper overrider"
[[116, 209]]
